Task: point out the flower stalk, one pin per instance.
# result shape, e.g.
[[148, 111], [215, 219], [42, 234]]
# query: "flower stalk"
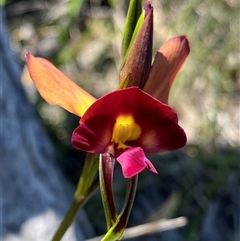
[[87, 185], [117, 230]]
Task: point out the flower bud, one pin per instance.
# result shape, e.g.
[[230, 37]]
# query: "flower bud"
[[136, 67]]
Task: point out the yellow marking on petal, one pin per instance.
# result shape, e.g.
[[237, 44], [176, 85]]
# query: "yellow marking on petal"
[[125, 129]]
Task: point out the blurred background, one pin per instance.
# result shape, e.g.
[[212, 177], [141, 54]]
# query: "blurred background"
[[200, 181]]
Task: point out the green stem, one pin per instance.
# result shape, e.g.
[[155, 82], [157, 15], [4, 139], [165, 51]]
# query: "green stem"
[[86, 187], [73, 211]]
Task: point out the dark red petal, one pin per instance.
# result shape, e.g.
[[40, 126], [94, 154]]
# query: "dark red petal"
[[130, 101], [158, 121], [160, 135], [133, 161], [94, 135]]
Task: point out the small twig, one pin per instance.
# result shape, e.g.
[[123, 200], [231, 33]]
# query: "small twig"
[[150, 228]]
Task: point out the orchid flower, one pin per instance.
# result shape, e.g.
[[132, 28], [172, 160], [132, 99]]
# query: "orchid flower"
[[126, 123]]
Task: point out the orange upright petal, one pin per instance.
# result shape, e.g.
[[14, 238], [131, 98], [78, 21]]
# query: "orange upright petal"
[[168, 61], [57, 88]]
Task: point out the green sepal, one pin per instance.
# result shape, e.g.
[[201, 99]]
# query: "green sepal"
[[133, 37], [106, 168], [133, 14], [117, 230]]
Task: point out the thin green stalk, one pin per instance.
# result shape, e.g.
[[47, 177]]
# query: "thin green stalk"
[[73, 211], [86, 187]]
